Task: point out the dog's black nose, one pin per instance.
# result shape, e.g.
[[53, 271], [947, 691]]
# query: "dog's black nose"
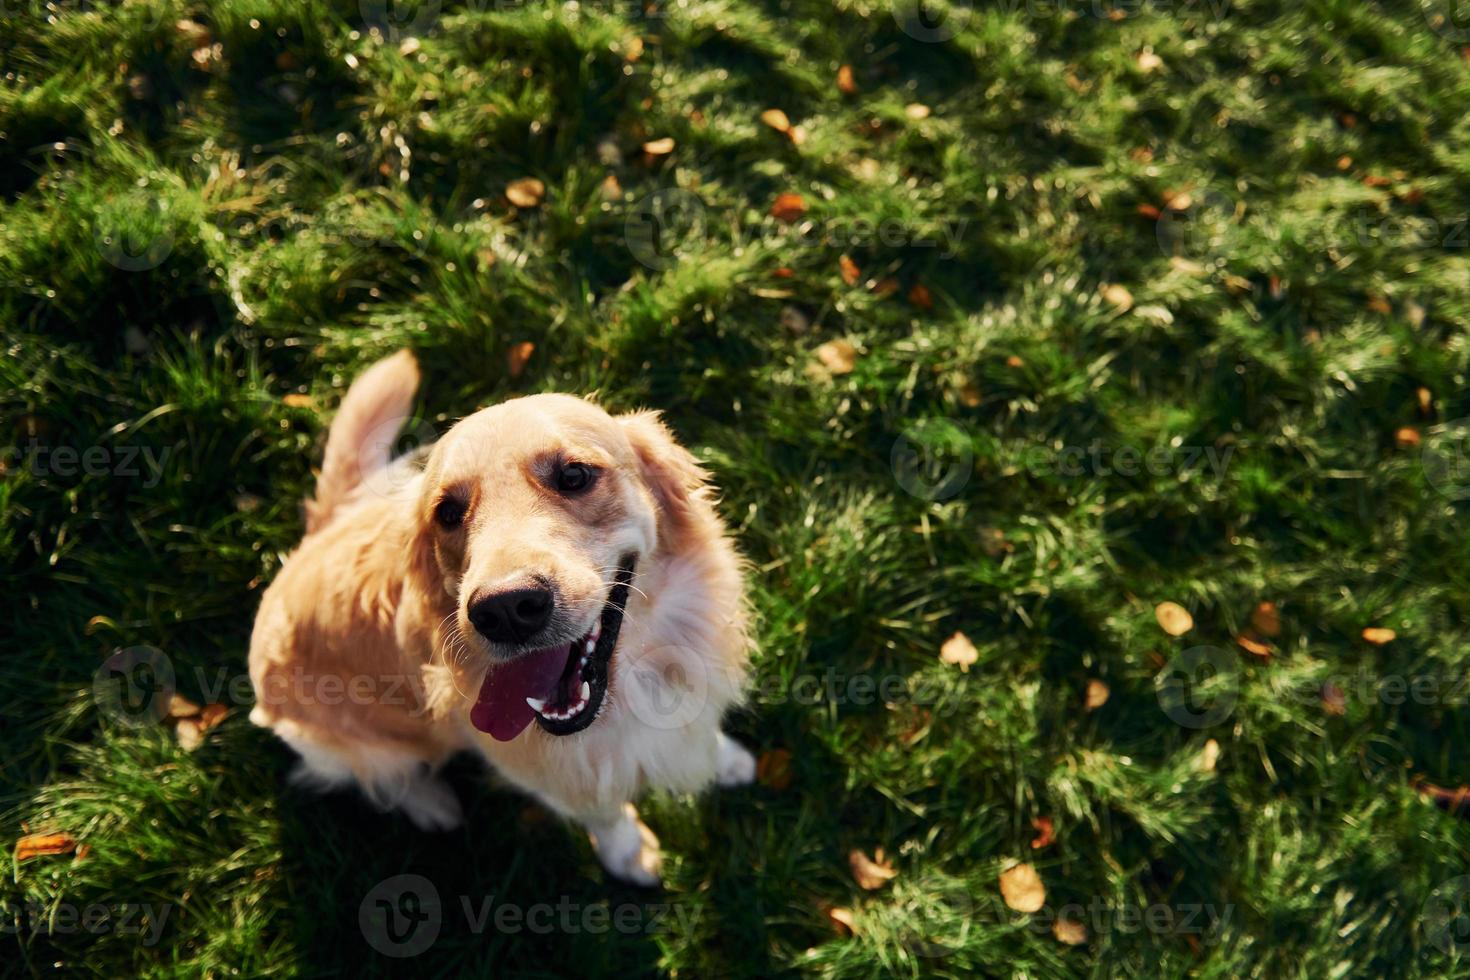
[[512, 616]]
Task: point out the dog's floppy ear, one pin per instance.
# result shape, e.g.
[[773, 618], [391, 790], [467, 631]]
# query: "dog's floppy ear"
[[671, 472]]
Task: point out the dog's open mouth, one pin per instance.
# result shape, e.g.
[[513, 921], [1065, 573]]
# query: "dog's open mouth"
[[560, 688]]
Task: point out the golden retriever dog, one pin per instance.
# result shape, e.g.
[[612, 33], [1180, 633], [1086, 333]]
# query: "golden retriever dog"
[[548, 585]]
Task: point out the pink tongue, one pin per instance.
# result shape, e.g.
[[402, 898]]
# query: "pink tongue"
[[501, 709]]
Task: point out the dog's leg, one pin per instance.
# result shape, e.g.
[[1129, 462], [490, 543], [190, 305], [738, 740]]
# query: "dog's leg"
[[430, 803], [625, 846], [390, 777], [734, 765]]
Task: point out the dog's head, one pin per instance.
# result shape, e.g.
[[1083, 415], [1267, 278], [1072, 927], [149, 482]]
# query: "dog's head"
[[534, 516]]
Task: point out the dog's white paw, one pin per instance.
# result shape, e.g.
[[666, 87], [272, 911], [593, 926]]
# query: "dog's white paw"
[[432, 805], [629, 850], [734, 765]]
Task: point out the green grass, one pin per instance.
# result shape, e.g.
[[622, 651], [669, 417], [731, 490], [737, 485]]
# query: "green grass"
[[317, 197]]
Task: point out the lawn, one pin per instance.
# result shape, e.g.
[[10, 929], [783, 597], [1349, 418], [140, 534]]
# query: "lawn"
[[1126, 340]]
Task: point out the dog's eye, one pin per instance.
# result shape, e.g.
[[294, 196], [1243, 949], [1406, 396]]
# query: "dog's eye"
[[448, 513], [574, 477]]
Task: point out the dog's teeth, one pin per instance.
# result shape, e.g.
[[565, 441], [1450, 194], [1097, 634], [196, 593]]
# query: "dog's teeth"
[[591, 645], [537, 705], [586, 692]]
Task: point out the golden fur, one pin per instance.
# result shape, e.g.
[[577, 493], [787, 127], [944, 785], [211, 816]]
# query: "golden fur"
[[363, 659]]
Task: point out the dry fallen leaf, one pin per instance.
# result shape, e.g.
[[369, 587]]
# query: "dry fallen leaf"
[[1097, 694], [971, 397], [517, 356], [1334, 702], [610, 190], [850, 271], [959, 651], [795, 320], [1014, 362], [659, 148], [1379, 304], [526, 192], [1148, 61], [1208, 756], [1426, 400], [298, 400], [843, 921], [1454, 801], [1069, 931], [993, 541], [870, 873], [885, 287], [181, 707], [40, 845], [1118, 296], [1407, 437], [633, 49], [1022, 889], [773, 768], [788, 207], [916, 111], [96, 622], [917, 728], [920, 296], [1265, 619], [1173, 618], [838, 356], [777, 120], [189, 733], [1250, 644], [846, 84], [211, 715], [1379, 635], [196, 32], [1045, 832]]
